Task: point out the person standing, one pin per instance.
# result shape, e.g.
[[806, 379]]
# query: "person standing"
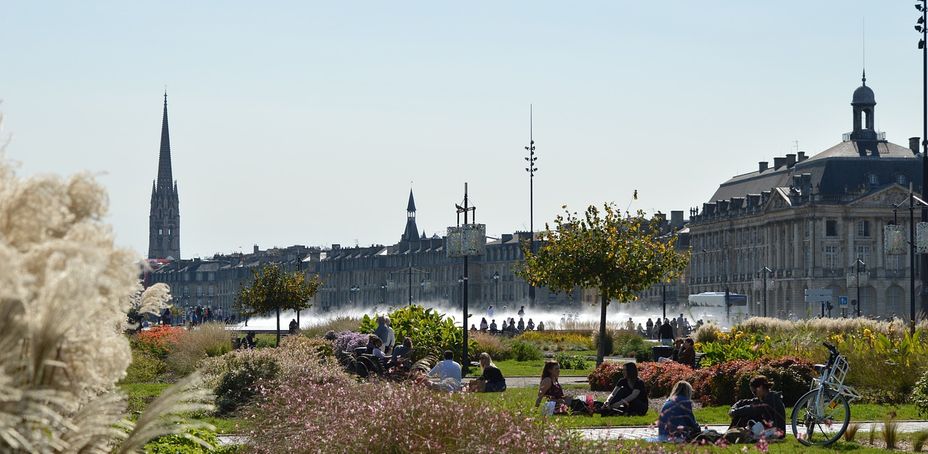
[[665, 333], [522, 311], [649, 326]]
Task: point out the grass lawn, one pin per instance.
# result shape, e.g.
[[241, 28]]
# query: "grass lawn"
[[523, 400], [513, 368], [142, 394]]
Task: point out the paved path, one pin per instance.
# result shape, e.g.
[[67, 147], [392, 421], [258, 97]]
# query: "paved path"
[[641, 432], [533, 381]]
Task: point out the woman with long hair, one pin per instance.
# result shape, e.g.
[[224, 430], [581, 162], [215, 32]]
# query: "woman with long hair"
[[676, 421], [630, 395], [549, 387]]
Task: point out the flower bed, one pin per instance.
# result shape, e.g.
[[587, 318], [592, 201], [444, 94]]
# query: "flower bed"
[[159, 339]]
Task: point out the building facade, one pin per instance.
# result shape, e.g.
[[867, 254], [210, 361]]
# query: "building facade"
[[414, 270], [809, 219], [164, 217]]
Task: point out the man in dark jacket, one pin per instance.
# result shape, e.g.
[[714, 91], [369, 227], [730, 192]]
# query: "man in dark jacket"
[[766, 407], [665, 332]]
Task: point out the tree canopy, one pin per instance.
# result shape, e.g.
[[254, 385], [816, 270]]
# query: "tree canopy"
[[618, 254], [273, 289]]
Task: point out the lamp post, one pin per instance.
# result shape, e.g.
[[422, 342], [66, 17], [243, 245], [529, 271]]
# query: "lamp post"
[[383, 293], [664, 299], [531, 169], [765, 270], [913, 199], [496, 282], [857, 281], [922, 28], [354, 291], [299, 268]]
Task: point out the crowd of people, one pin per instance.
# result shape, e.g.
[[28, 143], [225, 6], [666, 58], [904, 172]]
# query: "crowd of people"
[[509, 325]]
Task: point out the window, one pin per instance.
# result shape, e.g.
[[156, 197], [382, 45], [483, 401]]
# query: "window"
[[831, 256], [901, 180], [863, 228], [159, 232], [863, 252], [874, 180], [831, 227], [894, 262]]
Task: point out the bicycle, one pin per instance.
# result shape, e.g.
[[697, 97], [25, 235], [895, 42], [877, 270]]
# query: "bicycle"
[[822, 415]]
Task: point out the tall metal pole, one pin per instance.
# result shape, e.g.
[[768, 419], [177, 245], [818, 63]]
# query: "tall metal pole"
[[857, 281], [299, 267], [912, 259], [765, 290], [923, 44], [410, 275], [664, 299], [466, 363], [531, 194]]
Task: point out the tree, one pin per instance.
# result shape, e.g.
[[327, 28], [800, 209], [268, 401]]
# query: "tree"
[[275, 290], [620, 255]]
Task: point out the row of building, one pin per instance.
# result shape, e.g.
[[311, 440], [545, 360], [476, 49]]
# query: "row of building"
[[809, 220]]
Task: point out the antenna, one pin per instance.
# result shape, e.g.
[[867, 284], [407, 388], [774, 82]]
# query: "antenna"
[[863, 46]]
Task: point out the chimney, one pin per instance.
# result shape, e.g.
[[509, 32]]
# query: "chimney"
[[913, 144], [790, 160], [778, 162], [676, 219], [801, 156], [761, 166], [256, 250]]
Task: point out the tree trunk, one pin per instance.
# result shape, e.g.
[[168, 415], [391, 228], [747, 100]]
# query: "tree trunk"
[[278, 326], [602, 332]]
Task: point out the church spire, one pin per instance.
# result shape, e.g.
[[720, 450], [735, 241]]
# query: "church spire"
[[412, 232], [165, 177]]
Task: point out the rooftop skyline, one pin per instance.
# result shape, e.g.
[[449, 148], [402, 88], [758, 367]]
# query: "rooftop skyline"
[[308, 123]]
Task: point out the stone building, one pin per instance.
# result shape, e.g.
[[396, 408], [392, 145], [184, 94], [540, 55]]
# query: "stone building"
[[809, 219], [164, 217]]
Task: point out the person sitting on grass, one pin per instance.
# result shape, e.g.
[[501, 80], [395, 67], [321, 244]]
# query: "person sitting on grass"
[[530, 325], [630, 395], [550, 389], [491, 381], [448, 372], [483, 325], [541, 326], [766, 407], [401, 353], [676, 421]]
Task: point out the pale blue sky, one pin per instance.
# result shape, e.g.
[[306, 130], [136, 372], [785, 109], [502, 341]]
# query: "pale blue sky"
[[304, 122]]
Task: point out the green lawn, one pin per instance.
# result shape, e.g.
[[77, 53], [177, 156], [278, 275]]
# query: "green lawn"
[[523, 400], [513, 368], [142, 394]]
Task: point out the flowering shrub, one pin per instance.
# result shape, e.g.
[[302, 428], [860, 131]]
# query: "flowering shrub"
[[159, 339], [347, 341], [604, 376], [732, 346], [559, 340], [661, 376], [304, 414]]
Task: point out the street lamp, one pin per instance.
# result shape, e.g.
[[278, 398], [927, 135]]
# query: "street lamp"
[[857, 281], [383, 293], [765, 270], [354, 291], [531, 169], [496, 282], [922, 28]]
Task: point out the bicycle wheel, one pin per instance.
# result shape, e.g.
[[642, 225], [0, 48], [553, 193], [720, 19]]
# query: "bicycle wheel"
[[820, 421]]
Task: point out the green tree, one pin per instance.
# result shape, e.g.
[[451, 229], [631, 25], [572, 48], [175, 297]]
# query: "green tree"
[[276, 290], [618, 254]]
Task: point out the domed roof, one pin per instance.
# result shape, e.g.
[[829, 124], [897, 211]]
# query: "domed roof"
[[863, 94]]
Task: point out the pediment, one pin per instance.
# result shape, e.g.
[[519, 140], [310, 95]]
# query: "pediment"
[[884, 198]]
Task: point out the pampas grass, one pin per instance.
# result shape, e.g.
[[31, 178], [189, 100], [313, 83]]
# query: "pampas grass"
[[65, 290], [918, 440], [851, 432], [195, 345]]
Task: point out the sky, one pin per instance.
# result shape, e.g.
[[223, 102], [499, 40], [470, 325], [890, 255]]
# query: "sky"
[[308, 122]]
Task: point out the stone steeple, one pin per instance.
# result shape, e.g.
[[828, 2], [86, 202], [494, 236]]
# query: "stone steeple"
[[412, 232], [164, 217]]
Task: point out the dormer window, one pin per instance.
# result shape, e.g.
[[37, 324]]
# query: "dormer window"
[[873, 179], [901, 180]]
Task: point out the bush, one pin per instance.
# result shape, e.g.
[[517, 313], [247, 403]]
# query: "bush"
[[631, 345], [920, 394], [431, 332], [337, 324], [574, 362], [347, 341], [609, 342], [605, 375], [206, 341], [159, 340], [145, 367], [237, 386], [661, 376], [495, 346], [525, 351], [180, 444], [297, 415]]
